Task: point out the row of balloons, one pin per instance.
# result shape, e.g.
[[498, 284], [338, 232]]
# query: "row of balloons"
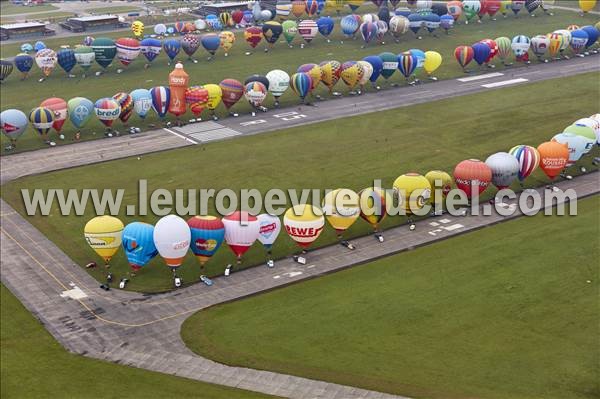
[[172, 236], [178, 95], [552, 44]]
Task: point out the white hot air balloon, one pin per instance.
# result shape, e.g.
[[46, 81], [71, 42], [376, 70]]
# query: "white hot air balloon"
[[592, 122], [279, 82], [172, 238], [304, 224], [577, 146], [270, 227], [241, 230], [505, 169]]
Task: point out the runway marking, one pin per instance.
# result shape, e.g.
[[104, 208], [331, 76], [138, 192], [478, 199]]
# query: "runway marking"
[[179, 135], [74, 293], [255, 122], [453, 227], [505, 83], [480, 77]]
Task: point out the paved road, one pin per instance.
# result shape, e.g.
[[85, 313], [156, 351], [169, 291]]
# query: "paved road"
[[49, 159], [143, 331]]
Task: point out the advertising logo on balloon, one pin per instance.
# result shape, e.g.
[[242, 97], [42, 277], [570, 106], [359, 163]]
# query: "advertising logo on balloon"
[[205, 245], [267, 229], [304, 232]]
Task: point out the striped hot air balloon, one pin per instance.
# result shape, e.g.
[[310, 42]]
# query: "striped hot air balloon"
[[528, 157], [197, 98], [41, 119], [128, 50], [407, 64], [125, 102], [241, 231], [314, 71], [6, 68], [504, 47], [161, 97], [308, 30], [301, 83], [107, 110], [464, 55], [232, 91], [150, 48], [253, 35]]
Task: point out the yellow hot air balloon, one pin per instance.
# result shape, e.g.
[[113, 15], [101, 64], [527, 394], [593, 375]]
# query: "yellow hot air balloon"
[[505, 7], [413, 192], [433, 60], [341, 208], [439, 181], [587, 5], [352, 73], [304, 224], [137, 27], [103, 234], [374, 203], [227, 39], [335, 5], [215, 94]]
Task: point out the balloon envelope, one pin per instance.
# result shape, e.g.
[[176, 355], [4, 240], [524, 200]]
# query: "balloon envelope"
[[241, 231], [13, 123], [304, 224], [504, 167], [172, 238], [528, 158], [553, 158], [207, 235], [103, 234], [269, 229], [472, 177], [138, 244]]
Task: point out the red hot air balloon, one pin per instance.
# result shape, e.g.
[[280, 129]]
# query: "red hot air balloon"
[[237, 16], [196, 97], [232, 90], [253, 35], [493, 48], [241, 230], [553, 157], [472, 176], [59, 107], [126, 104], [464, 55]]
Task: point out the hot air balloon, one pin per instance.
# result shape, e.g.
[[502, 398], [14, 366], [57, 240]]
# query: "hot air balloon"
[[532, 5], [314, 71], [471, 8], [432, 22], [520, 46], [60, 109], [341, 209], [26, 48], [283, 9], [367, 69], [504, 48], [481, 52], [269, 229], [237, 16], [517, 5], [45, 60], [215, 94], [373, 202], [472, 177], [587, 5], [13, 124], [172, 48], [172, 238], [354, 4], [105, 51], [256, 93], [407, 64], [390, 64], [553, 158], [271, 31], [257, 78], [142, 102], [592, 123], [211, 43], [555, 40], [256, 11], [207, 234], [413, 192], [301, 83], [441, 184], [584, 131], [85, 55], [330, 73], [455, 9], [593, 35], [433, 60], [416, 22], [39, 45], [80, 111], [492, 7], [137, 28], [138, 244], [107, 110], [577, 146], [304, 224], [493, 50], [290, 29], [196, 97], [446, 23], [241, 231], [178, 84], [160, 29], [103, 234], [398, 25], [528, 158], [279, 82], [377, 64], [350, 25], [325, 26], [66, 59], [540, 45], [368, 31], [464, 55], [253, 36], [351, 73], [189, 44], [227, 39], [161, 97], [24, 62], [127, 50], [248, 17], [126, 106], [232, 90], [308, 30], [42, 119], [579, 39], [226, 19], [505, 169]]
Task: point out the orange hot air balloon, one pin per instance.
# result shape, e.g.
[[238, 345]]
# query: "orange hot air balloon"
[[472, 177], [553, 158], [178, 84]]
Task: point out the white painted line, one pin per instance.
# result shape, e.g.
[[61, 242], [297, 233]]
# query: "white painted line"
[[445, 221], [75, 293], [505, 83], [179, 135], [310, 266], [453, 227], [434, 224], [480, 77]]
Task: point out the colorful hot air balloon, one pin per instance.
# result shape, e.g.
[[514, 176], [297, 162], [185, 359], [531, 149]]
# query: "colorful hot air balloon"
[[455, 9], [253, 36], [441, 184], [226, 19], [256, 93], [271, 31], [107, 110], [178, 84], [413, 192], [196, 97], [330, 73], [407, 64], [373, 202], [301, 83], [150, 48], [24, 62], [464, 55], [505, 169], [577, 146], [269, 229], [42, 119], [298, 8], [85, 56], [517, 5], [587, 5], [211, 43], [161, 97], [352, 72], [125, 104], [190, 43], [592, 123], [368, 31], [66, 59], [504, 48], [472, 177], [325, 26], [13, 124], [232, 90], [137, 28], [227, 39], [350, 25], [279, 82], [138, 244], [105, 51], [493, 49], [520, 46], [579, 39], [172, 238], [367, 69], [142, 102], [304, 224], [341, 208], [532, 5], [103, 234], [207, 234], [390, 64], [46, 61], [60, 109], [128, 50], [471, 8], [540, 45], [593, 35], [398, 25], [80, 111], [283, 9], [446, 23], [528, 158], [553, 158], [241, 231], [584, 131], [308, 30], [290, 29], [315, 73], [172, 48]]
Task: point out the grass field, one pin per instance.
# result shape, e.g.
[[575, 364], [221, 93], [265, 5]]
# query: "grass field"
[[47, 16], [436, 135], [29, 93], [505, 312], [6, 8], [113, 10], [34, 365]]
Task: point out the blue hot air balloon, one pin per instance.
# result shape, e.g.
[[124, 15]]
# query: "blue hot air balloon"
[[248, 17], [432, 21], [211, 42], [39, 46], [24, 62], [420, 56], [27, 47], [349, 25], [150, 47], [593, 35], [66, 59], [368, 31], [138, 243], [415, 22], [325, 26], [377, 64], [407, 63], [161, 96], [301, 84], [80, 111], [481, 52], [208, 233], [13, 124], [446, 22], [172, 48], [142, 102]]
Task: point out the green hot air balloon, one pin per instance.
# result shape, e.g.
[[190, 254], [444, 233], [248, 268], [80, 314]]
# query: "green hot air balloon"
[[84, 55], [104, 50], [584, 131], [390, 64], [290, 29]]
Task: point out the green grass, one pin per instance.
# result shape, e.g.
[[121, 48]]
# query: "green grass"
[[47, 16], [28, 94], [113, 10], [34, 365], [339, 153], [505, 312], [11, 9]]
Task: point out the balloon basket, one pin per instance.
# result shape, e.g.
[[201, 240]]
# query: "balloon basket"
[[234, 114], [299, 259], [270, 263], [98, 73], [379, 237], [9, 147], [491, 66], [71, 76], [347, 244], [248, 53], [41, 80], [433, 78], [266, 50], [119, 70], [336, 94]]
